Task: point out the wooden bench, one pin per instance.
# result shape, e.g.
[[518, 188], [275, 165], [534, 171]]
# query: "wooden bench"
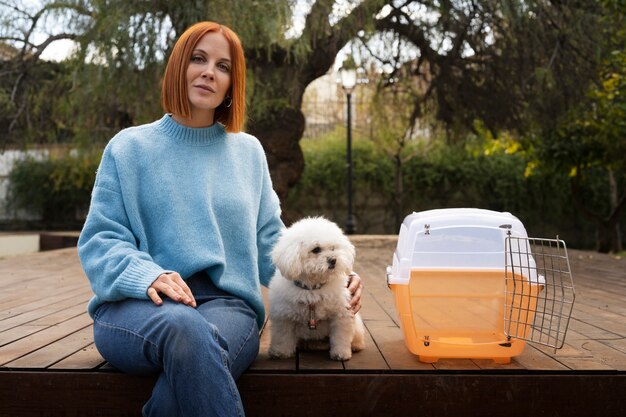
[[50, 367]]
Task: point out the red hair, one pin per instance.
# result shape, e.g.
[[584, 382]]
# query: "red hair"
[[174, 94]]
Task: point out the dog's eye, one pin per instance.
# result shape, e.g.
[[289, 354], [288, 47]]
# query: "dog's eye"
[[316, 250]]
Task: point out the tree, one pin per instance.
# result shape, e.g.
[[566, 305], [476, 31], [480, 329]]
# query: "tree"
[[281, 74], [20, 66], [120, 45], [510, 64], [526, 67], [589, 143], [394, 130], [480, 59], [587, 139]]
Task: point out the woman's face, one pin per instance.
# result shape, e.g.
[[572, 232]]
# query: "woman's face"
[[208, 76]]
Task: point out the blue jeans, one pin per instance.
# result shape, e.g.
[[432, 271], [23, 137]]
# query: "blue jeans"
[[199, 352]]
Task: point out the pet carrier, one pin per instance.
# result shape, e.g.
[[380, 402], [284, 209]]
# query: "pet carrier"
[[470, 283]]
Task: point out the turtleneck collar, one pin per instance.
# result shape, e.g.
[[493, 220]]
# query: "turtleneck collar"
[[192, 136]]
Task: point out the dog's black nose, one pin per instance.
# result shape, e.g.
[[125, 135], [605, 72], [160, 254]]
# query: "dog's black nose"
[[331, 263]]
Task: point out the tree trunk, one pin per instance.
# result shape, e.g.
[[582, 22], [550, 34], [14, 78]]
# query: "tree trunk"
[[608, 236], [280, 76], [280, 137], [616, 241], [399, 191]]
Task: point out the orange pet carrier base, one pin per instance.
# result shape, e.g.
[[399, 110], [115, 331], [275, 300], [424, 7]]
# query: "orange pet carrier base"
[[469, 283], [460, 314]]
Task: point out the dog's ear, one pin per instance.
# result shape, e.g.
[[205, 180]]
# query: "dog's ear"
[[286, 257]]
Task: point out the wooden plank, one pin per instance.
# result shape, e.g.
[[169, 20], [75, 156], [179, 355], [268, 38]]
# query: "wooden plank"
[[52, 241], [600, 298], [32, 278], [318, 361], [581, 353], [53, 305], [370, 309], [17, 333], [35, 326], [51, 289], [263, 361], [596, 337], [377, 297], [617, 344], [534, 359], [602, 319], [456, 364], [28, 269], [590, 330], [36, 299], [489, 364], [37, 340], [398, 385], [55, 352], [390, 342], [386, 303], [86, 358], [370, 358], [62, 394], [433, 394], [62, 315]]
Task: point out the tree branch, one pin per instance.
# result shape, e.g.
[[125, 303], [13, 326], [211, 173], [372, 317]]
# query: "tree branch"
[[325, 41], [412, 33], [42, 46]]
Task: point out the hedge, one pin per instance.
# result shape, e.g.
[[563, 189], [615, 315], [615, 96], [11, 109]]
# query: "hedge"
[[59, 188], [56, 188], [446, 176]]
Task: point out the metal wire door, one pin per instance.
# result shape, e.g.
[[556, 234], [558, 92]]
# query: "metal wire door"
[[539, 291]]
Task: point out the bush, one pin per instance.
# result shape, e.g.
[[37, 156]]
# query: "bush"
[[446, 176], [322, 189], [57, 188]]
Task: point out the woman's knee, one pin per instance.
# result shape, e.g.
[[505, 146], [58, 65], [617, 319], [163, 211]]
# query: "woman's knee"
[[139, 330], [121, 340], [178, 324]]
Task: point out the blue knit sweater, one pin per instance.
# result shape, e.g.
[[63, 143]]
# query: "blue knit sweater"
[[173, 198]]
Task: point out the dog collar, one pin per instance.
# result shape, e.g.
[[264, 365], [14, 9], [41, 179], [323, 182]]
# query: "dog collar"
[[302, 285]]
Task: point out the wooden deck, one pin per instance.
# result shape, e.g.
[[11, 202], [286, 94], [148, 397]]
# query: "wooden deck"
[[49, 365]]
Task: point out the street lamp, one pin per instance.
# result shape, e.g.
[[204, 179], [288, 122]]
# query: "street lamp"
[[348, 81]]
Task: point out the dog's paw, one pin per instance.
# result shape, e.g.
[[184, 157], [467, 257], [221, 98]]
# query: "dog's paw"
[[277, 354], [358, 344], [340, 354], [358, 348]]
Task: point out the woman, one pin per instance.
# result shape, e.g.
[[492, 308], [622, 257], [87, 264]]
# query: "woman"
[[177, 240]]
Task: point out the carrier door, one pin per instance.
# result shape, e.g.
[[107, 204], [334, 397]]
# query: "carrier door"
[[539, 292]]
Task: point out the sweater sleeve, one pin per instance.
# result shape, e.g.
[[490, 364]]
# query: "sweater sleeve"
[[269, 226], [107, 247]]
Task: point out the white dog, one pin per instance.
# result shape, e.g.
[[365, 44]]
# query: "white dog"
[[309, 300]]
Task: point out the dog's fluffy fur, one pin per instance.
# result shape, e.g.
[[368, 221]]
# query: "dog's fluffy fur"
[[314, 254]]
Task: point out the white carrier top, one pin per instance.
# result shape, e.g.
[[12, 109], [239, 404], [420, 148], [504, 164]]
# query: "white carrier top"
[[463, 238]]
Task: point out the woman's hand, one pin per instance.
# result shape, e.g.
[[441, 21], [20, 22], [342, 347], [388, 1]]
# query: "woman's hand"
[[173, 286], [355, 286]]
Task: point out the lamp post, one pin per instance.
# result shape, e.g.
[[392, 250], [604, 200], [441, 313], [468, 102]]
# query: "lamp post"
[[348, 81]]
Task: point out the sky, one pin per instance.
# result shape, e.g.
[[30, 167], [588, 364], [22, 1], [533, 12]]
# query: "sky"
[[60, 50]]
